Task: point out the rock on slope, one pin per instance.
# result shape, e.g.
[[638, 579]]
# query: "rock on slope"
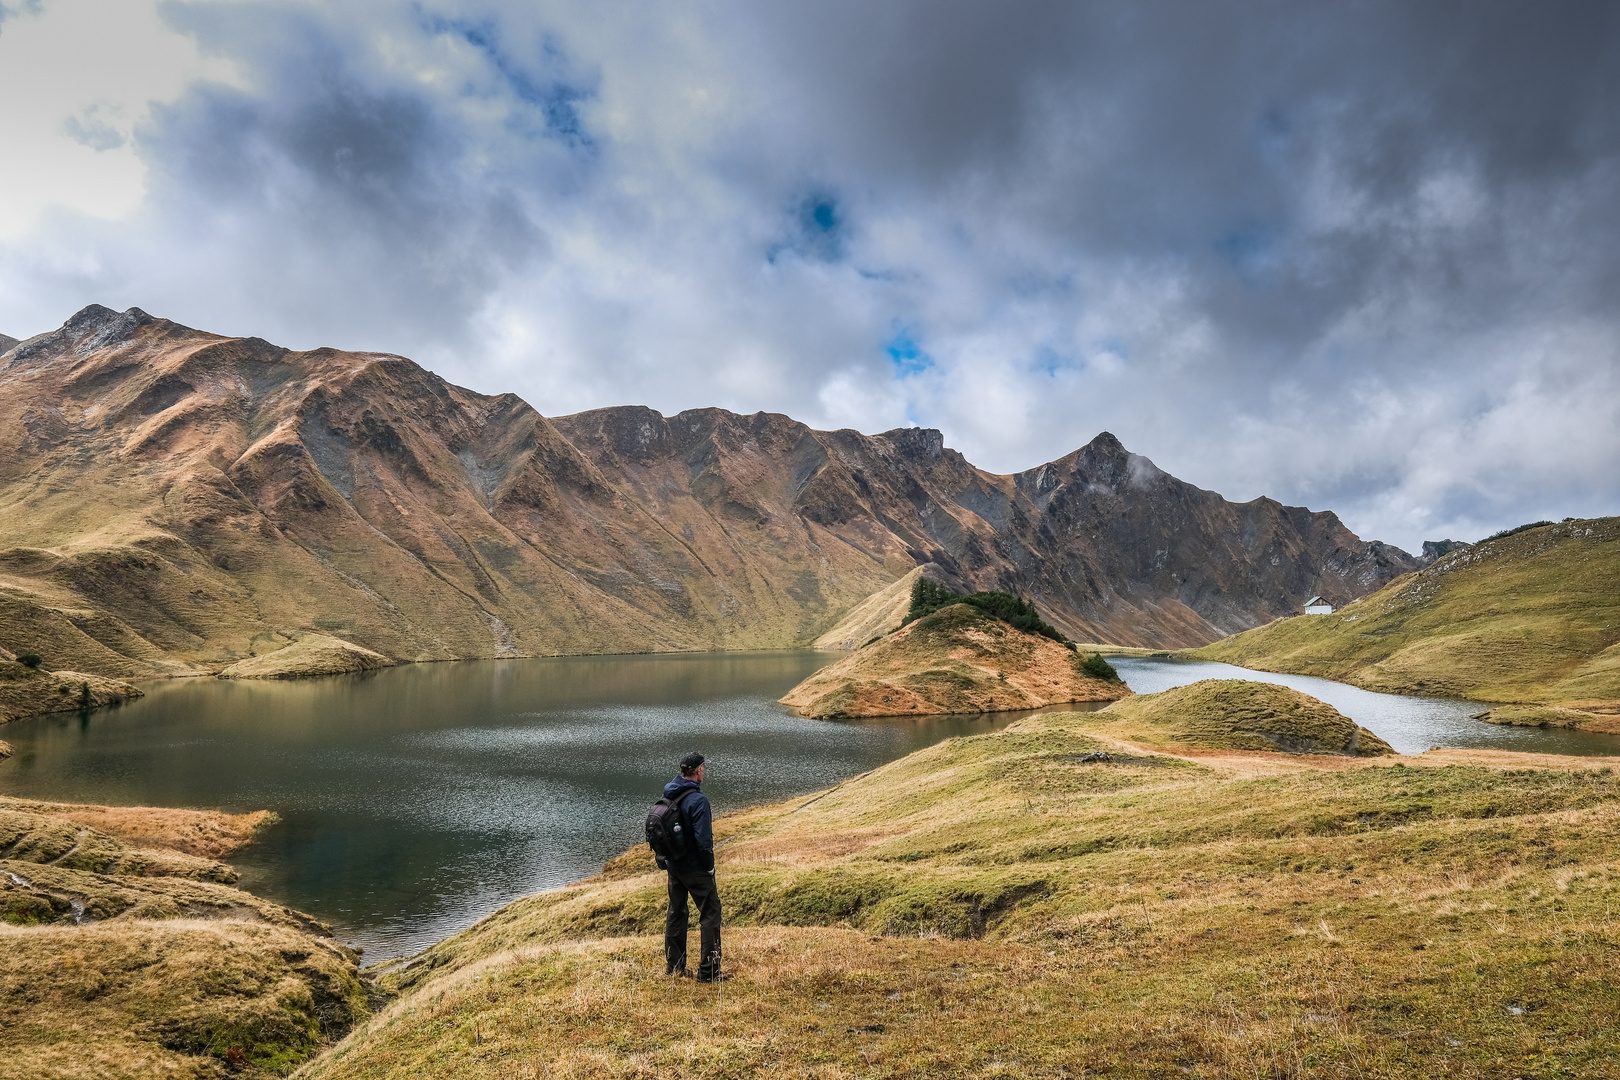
[[173, 501], [1231, 714], [957, 660], [1528, 618]]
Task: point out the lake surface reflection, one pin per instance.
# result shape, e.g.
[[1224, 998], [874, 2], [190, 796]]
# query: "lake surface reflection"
[[1410, 724], [417, 799]]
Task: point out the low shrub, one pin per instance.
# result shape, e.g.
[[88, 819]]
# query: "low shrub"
[[1098, 668], [1516, 530], [928, 597], [30, 660]]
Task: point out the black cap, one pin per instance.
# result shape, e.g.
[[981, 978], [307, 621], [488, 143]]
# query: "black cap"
[[690, 762]]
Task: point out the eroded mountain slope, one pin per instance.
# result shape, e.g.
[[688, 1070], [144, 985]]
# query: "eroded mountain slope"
[[175, 501]]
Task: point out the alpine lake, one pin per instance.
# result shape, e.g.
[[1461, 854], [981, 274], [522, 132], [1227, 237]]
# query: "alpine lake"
[[415, 800]]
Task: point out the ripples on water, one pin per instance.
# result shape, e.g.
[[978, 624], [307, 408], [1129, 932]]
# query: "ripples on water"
[[417, 799]]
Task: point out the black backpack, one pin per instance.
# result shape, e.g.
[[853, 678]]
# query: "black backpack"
[[668, 832]]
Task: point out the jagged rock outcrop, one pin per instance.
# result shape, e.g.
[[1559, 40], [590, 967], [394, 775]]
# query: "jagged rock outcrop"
[[1434, 549], [176, 501]]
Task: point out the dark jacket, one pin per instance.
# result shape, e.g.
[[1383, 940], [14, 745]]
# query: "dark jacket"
[[699, 820]]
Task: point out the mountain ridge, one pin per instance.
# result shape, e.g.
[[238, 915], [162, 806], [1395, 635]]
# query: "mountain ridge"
[[177, 501]]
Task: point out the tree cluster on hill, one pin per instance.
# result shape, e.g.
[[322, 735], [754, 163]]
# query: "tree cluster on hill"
[[1517, 529], [928, 597], [1098, 668]]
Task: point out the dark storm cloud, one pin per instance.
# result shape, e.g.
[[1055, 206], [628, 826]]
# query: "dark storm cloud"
[[1360, 256]]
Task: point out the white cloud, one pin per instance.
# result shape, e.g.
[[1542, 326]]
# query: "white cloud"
[[1341, 277], [76, 78]]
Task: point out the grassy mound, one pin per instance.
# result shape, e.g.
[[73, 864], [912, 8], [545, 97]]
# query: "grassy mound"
[[1228, 714], [1527, 618], [29, 690], [959, 659], [311, 654], [1543, 716], [1047, 901], [139, 961]]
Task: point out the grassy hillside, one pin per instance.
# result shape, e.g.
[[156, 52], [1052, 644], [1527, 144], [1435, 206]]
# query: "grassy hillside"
[[29, 691], [1528, 618], [1053, 901], [127, 954]]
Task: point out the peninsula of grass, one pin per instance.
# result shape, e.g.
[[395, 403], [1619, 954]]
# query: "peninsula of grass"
[[125, 953], [1529, 617], [27, 689], [1059, 900]]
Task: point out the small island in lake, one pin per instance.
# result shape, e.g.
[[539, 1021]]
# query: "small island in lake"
[[985, 652]]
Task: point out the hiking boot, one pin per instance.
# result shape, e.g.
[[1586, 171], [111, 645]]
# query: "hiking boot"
[[713, 976]]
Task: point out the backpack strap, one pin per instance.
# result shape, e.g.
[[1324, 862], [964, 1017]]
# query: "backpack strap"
[[680, 809]]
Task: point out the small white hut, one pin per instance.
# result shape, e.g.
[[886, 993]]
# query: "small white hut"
[[1318, 606]]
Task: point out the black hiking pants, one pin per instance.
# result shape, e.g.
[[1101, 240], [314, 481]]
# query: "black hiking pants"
[[699, 885]]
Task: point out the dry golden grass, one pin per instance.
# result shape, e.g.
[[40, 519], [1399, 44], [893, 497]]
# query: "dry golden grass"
[[956, 660], [1551, 716], [1009, 905], [142, 998], [136, 961], [309, 655], [28, 691], [1528, 619], [1232, 714], [205, 833]]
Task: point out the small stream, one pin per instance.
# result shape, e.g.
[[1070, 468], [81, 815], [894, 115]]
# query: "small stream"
[[1410, 724]]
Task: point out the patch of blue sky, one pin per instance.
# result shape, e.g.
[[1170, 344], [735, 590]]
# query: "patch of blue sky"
[[1250, 249], [817, 231], [556, 100], [906, 356], [1052, 363], [822, 216]]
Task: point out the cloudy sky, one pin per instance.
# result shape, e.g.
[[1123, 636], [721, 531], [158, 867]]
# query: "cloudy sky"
[[1362, 257]]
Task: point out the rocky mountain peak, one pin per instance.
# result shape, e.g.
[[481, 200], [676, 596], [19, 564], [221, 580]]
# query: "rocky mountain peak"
[[90, 330], [245, 495], [918, 443]]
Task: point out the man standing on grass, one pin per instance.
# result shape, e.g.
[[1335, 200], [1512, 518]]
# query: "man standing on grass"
[[692, 875]]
